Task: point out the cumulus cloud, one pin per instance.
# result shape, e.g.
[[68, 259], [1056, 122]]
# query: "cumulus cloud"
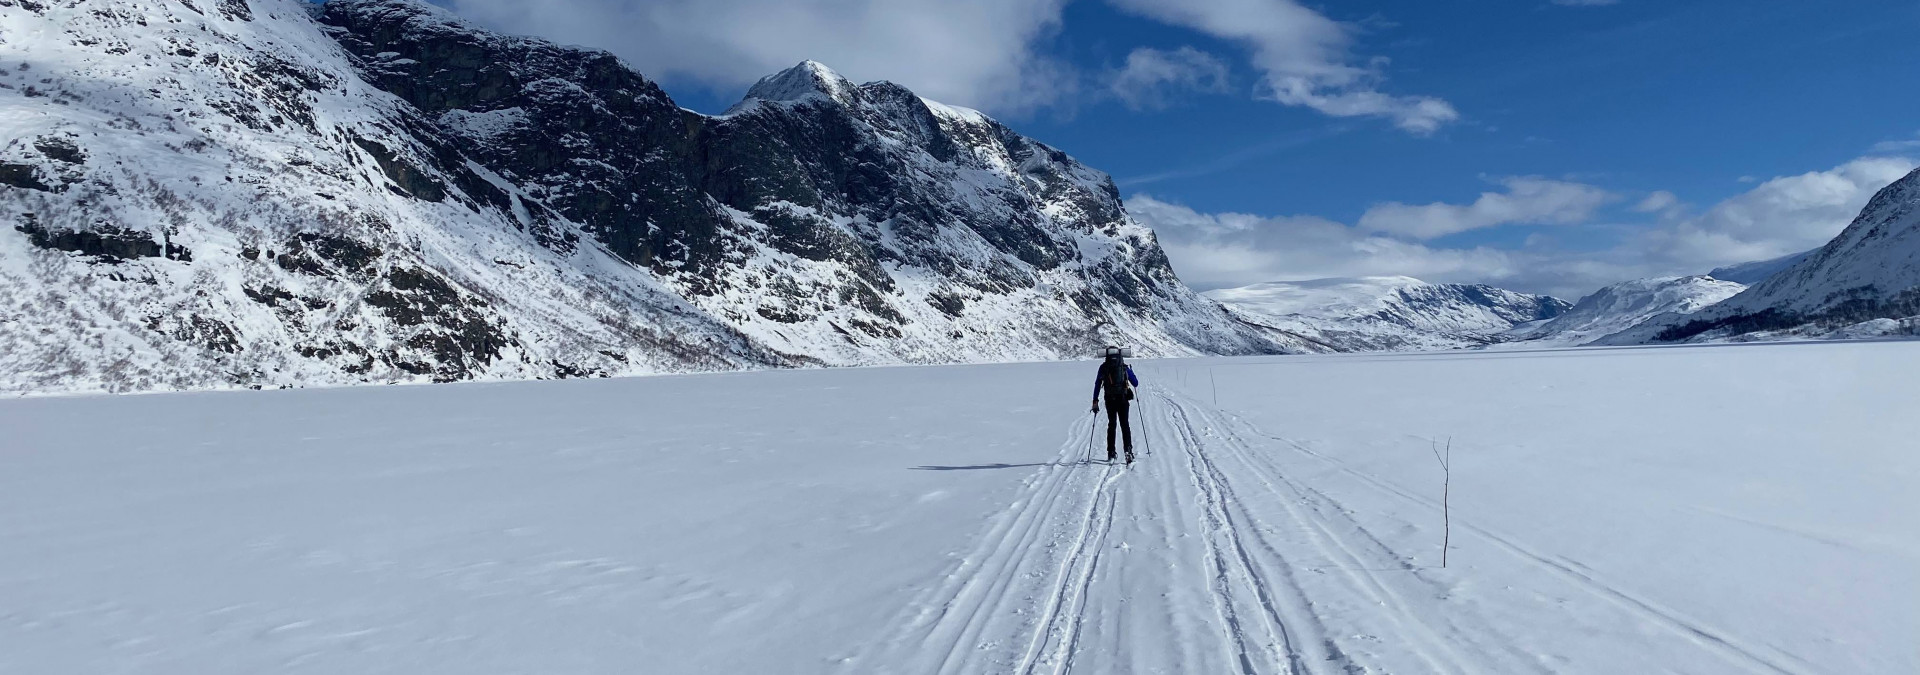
[[1784, 215], [1152, 77], [979, 53], [1217, 250], [1526, 201], [1304, 57], [1774, 218]]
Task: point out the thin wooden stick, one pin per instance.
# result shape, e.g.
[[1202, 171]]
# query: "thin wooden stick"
[[1446, 493]]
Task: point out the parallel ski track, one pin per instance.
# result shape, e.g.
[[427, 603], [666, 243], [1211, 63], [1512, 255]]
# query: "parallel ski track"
[[1713, 639], [962, 621], [1356, 559], [1232, 562]]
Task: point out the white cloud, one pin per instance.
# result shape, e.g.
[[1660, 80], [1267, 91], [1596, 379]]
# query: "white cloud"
[[1304, 58], [1778, 217], [1526, 201], [1214, 250], [1895, 147], [1659, 202], [1152, 77], [979, 53]]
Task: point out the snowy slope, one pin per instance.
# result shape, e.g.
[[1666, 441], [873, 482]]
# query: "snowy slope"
[[1387, 313], [1864, 282], [1751, 273], [1628, 304], [939, 520], [228, 193]]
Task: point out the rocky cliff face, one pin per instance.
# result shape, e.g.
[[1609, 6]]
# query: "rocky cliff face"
[[1864, 282], [214, 193]]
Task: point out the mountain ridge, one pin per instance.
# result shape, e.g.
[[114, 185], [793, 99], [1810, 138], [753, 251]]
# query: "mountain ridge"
[[377, 191], [1388, 313]]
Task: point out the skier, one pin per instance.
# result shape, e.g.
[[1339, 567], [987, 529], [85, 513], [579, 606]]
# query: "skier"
[[1116, 378]]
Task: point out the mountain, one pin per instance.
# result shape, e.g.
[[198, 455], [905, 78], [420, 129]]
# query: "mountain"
[[1865, 282], [1627, 304], [1387, 313], [265, 193], [1751, 273]]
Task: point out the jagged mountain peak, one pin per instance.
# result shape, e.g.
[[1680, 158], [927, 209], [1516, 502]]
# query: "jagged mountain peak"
[[806, 80], [384, 192]]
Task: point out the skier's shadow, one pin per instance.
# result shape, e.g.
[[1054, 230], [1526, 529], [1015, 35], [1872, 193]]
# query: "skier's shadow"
[[976, 467]]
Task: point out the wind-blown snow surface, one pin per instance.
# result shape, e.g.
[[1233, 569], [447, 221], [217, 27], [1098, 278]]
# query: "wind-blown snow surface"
[[1626, 511], [1387, 313]]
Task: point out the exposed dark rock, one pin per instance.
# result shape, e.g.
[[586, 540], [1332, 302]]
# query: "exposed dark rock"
[[110, 244], [409, 180], [237, 10], [60, 149], [24, 176]]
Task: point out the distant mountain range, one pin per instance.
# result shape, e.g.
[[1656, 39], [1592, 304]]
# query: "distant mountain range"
[[1388, 313], [1624, 305]]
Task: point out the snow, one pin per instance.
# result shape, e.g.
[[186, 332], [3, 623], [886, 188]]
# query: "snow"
[[1627, 304], [260, 143], [1622, 510], [1750, 273], [484, 125], [808, 80], [1386, 313]]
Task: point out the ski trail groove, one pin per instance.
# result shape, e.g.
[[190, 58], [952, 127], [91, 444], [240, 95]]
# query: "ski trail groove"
[[1046, 545], [1700, 633], [1433, 649], [1280, 642], [1076, 575]]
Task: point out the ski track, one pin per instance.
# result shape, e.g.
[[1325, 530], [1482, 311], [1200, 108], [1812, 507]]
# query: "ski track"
[[1292, 581], [1715, 640], [961, 625]]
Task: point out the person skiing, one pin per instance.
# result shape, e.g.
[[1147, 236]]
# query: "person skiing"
[[1116, 379]]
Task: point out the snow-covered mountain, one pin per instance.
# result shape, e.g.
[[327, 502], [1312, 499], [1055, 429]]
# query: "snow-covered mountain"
[[1750, 273], [1627, 304], [212, 193], [1865, 282], [1387, 313]]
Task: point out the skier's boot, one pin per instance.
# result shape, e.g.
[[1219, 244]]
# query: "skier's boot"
[[1129, 456], [1110, 457]]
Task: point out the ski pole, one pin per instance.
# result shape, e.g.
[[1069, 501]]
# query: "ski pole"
[[1147, 443], [1092, 426]]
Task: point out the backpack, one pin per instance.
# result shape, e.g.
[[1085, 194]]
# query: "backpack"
[[1115, 372]]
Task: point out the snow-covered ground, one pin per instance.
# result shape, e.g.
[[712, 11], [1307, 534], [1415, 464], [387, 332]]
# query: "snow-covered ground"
[[1726, 509]]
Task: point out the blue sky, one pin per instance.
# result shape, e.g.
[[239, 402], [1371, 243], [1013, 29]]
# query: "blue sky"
[[1545, 145]]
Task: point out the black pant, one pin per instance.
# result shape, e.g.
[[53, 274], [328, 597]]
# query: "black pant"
[[1117, 410]]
